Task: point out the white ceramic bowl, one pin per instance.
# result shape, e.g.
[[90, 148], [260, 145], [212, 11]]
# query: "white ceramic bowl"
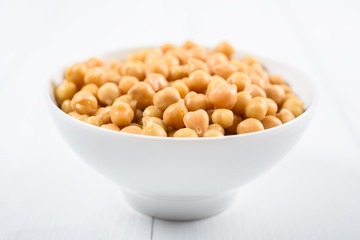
[[183, 179]]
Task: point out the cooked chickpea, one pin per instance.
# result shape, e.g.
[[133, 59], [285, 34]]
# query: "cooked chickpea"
[[166, 97], [195, 101], [223, 117], [272, 106], [257, 80], [170, 60], [242, 99], [270, 122], [152, 111], [135, 69], [127, 99], [213, 133], [95, 120], [255, 91], [241, 66], [250, 60], [126, 83], [81, 117], [157, 66], [181, 86], [108, 92], [66, 106], [91, 87], [256, 108], [223, 95], [195, 64], [185, 133], [174, 114], [97, 75], [294, 105], [114, 65], [121, 114], [249, 125], [199, 80], [188, 44], [111, 126], [139, 55], [276, 93], [216, 59], [157, 81], [138, 116], [232, 129], [132, 129], [65, 91], [198, 121], [94, 62], [213, 83], [225, 48], [143, 93], [224, 70], [153, 129], [159, 121], [276, 79], [240, 80], [217, 127], [114, 76], [177, 72], [285, 115], [76, 74], [104, 114], [84, 102], [198, 53]]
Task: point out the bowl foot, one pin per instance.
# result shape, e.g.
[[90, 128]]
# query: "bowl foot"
[[180, 208]]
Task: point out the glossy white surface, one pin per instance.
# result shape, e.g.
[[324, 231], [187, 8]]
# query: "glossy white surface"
[[46, 192]]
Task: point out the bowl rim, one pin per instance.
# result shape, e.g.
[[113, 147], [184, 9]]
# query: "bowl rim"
[[309, 110]]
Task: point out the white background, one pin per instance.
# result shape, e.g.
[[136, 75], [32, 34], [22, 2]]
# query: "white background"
[[47, 192]]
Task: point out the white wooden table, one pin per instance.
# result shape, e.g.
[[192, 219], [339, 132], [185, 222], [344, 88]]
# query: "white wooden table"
[[47, 192]]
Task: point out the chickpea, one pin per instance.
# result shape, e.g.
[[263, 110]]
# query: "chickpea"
[[157, 66], [195, 101], [136, 124], [157, 81], [250, 60], [241, 66], [65, 91], [255, 91], [213, 83], [96, 75], [104, 114], [139, 55], [174, 114], [249, 125], [256, 108], [135, 69], [126, 83], [216, 59], [213, 133], [209, 113], [84, 102], [181, 54], [66, 106], [127, 99], [223, 96], [171, 133], [232, 129], [121, 114], [94, 62], [285, 115], [177, 72], [198, 53], [276, 93], [195, 64], [81, 117], [240, 80], [152, 111], [153, 129], [181, 86], [188, 44], [185, 133], [225, 48], [217, 127], [242, 99], [143, 93], [159, 121], [111, 126], [132, 129], [114, 76], [76, 74], [166, 97], [108, 92], [198, 121], [138, 116], [198, 80], [270, 122], [272, 106], [95, 120], [276, 79], [91, 87], [166, 47], [114, 65], [170, 60], [257, 80], [223, 117], [224, 70], [294, 105]]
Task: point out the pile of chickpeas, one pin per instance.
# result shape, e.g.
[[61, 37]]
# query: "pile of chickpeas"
[[178, 91]]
